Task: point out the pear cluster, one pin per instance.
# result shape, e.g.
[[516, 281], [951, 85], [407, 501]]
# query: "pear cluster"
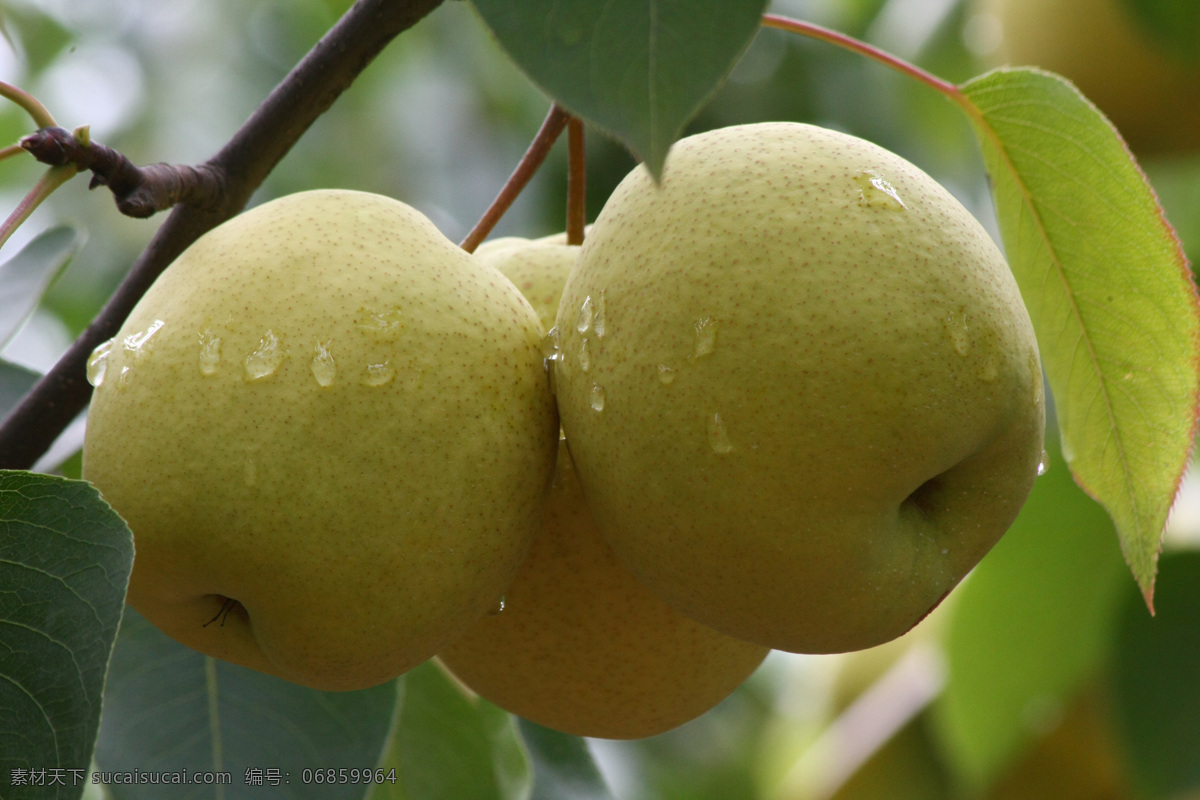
[[785, 398]]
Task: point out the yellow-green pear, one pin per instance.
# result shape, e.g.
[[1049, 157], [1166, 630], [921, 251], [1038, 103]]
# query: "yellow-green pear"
[[1149, 93], [327, 412], [799, 385], [580, 645], [537, 267]]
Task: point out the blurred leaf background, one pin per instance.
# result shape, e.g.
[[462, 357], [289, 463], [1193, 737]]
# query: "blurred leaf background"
[[1039, 644]]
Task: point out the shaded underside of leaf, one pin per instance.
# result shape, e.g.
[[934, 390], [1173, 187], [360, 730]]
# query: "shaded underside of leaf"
[[1109, 292], [446, 743], [563, 766], [65, 559], [27, 275], [639, 69], [172, 711]]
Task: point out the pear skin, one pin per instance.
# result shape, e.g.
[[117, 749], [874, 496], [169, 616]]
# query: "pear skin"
[[799, 385], [580, 645], [327, 412]]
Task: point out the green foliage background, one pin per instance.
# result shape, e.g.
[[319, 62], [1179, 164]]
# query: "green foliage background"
[[439, 121]]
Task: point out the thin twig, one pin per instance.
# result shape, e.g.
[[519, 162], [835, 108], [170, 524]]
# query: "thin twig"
[[547, 135], [51, 179], [576, 182], [862, 48], [241, 165]]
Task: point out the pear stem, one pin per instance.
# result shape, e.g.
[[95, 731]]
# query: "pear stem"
[[870, 51], [32, 106], [326, 71], [539, 148], [576, 182]]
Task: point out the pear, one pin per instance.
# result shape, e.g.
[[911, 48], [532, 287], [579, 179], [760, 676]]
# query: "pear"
[[799, 385], [580, 646], [330, 431]]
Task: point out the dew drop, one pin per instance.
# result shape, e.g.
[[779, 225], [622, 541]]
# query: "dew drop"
[[323, 366], [123, 378], [586, 312], [379, 322], [957, 329], [379, 374], [706, 337], [597, 397], [718, 436], [598, 323], [988, 372], [265, 359], [210, 352], [97, 363], [138, 343], [1043, 463], [495, 610], [666, 375], [550, 345], [874, 191], [585, 360], [550, 358]]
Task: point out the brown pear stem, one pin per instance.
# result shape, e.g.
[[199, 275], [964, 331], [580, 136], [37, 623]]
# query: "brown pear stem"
[[539, 148], [576, 182]]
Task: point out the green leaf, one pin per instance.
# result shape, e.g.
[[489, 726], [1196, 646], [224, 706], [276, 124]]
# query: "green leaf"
[[41, 37], [28, 274], [1109, 292], [1173, 24], [65, 558], [449, 744], [639, 69], [1028, 628], [563, 767], [169, 709], [15, 383], [1154, 683]]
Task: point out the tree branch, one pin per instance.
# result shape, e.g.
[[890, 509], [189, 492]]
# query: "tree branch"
[[139, 191], [240, 167]]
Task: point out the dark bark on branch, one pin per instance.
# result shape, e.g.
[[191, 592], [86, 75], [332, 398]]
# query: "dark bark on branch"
[[139, 191], [240, 167]]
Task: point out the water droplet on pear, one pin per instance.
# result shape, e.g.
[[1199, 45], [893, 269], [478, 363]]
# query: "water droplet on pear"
[[266, 358], [210, 352], [323, 367], [97, 364]]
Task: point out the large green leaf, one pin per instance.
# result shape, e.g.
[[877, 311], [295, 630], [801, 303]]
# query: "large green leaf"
[[1156, 683], [27, 275], [637, 68], [447, 743], [563, 766], [1028, 628], [1109, 292], [171, 711], [65, 558]]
